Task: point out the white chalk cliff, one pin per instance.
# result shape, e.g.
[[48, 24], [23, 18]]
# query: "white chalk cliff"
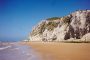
[[73, 26]]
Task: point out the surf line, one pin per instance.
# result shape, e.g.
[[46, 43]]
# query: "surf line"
[[5, 47]]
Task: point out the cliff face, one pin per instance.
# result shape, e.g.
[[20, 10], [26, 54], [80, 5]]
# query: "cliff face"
[[75, 25]]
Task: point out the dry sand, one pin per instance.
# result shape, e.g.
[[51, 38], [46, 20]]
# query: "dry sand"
[[61, 51]]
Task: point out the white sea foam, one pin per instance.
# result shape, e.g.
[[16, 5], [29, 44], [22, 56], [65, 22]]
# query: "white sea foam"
[[2, 48], [15, 49]]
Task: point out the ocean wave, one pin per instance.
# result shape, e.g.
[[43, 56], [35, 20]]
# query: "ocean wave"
[[2, 48]]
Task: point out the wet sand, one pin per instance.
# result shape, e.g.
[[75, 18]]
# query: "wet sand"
[[16, 51], [61, 51]]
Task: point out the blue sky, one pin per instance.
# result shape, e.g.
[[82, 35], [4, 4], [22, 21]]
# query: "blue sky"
[[17, 17]]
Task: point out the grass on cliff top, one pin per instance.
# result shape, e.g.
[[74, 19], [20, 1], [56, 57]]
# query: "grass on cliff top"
[[53, 18], [65, 19]]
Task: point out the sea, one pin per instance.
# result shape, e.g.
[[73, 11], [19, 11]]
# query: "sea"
[[16, 51]]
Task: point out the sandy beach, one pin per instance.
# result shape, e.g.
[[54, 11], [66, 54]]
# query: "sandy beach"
[[61, 51]]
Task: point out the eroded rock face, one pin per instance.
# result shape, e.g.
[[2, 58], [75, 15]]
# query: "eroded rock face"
[[75, 25]]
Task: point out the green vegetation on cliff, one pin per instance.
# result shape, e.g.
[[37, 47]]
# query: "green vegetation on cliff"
[[66, 19], [53, 18], [51, 25]]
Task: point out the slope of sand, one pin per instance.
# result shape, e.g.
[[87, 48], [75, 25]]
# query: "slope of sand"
[[61, 51]]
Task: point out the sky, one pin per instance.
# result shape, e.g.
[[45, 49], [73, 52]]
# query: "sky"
[[17, 17]]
